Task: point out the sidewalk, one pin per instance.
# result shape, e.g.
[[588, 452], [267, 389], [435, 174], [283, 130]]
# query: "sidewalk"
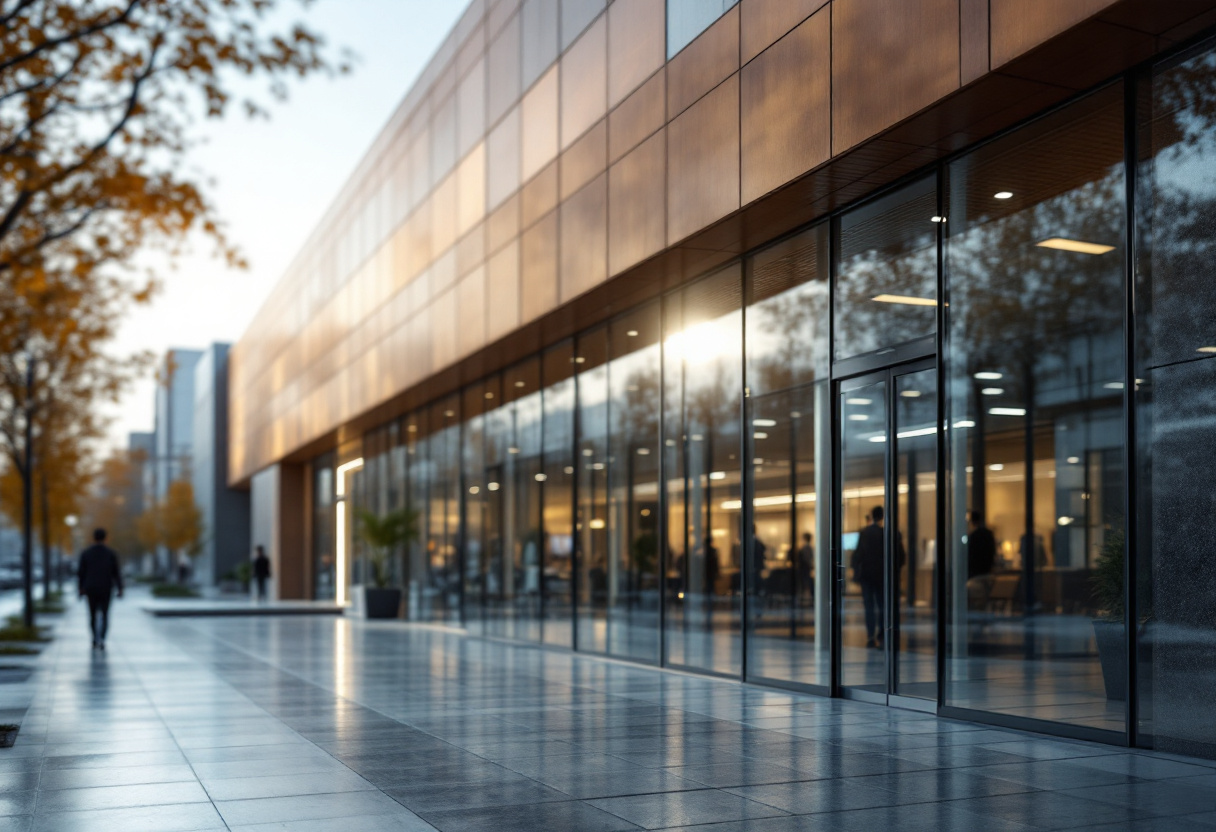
[[322, 723]]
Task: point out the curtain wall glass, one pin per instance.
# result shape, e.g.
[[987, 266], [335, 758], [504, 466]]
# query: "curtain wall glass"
[[789, 436], [703, 385], [1036, 371], [557, 487], [1175, 605]]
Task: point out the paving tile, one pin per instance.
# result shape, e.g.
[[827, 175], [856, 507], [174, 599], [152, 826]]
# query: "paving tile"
[[285, 785], [193, 817], [80, 778], [400, 822], [118, 797], [569, 815], [659, 811], [306, 807]]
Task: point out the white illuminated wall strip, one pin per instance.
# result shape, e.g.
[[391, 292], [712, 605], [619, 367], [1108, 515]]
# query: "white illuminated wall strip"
[[340, 531]]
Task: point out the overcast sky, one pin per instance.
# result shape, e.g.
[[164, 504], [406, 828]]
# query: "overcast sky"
[[273, 180]]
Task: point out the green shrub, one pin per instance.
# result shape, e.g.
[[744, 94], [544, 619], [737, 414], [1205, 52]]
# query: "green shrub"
[[172, 591], [19, 632], [17, 650]]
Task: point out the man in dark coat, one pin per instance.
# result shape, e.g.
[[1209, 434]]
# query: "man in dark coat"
[[868, 566], [98, 575], [261, 572], [981, 547]]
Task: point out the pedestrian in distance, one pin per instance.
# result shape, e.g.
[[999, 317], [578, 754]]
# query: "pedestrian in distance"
[[868, 571], [261, 571], [98, 575]]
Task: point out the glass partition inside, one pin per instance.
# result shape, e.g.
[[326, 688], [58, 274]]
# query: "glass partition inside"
[[1036, 372], [591, 531], [557, 487], [703, 333]]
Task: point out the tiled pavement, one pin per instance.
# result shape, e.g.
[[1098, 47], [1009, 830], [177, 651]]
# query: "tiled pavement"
[[324, 724]]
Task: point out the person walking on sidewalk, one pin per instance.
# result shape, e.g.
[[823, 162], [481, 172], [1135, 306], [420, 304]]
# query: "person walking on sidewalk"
[[98, 576], [261, 571]]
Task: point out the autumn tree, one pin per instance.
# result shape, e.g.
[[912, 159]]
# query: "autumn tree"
[[97, 99], [115, 503]]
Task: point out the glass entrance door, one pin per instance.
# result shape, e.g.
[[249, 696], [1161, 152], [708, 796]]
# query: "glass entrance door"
[[887, 534]]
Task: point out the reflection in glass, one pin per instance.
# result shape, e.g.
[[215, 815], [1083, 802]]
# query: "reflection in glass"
[[886, 281], [1176, 409], [863, 536], [476, 563], [591, 359], [789, 419], [688, 18], [440, 599], [702, 371], [1036, 375], [915, 586], [557, 486], [323, 527], [521, 390]]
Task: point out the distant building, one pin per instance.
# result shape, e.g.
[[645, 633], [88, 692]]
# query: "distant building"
[[225, 510], [174, 420], [143, 487]]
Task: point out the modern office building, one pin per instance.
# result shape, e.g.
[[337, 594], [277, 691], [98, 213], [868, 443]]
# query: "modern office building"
[[225, 510], [173, 419], [863, 347]]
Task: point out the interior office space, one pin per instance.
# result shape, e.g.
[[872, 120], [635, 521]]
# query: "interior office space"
[[859, 347]]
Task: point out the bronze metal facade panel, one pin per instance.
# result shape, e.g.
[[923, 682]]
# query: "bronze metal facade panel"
[[703, 162], [471, 301], [503, 225], [585, 160], [503, 160], [638, 116], [635, 45], [502, 292], [539, 116], [539, 196], [502, 60], [538, 269], [785, 100], [890, 58], [764, 22], [637, 204], [1020, 25], [703, 64], [584, 88], [973, 39], [584, 240]]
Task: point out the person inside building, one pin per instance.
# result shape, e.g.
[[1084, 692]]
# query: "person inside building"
[[98, 575], [261, 571]]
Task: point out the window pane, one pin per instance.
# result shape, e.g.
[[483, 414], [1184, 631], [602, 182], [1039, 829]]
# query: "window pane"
[[591, 359], [1035, 262], [703, 376], [688, 18], [557, 485], [790, 434], [886, 283], [1176, 410]]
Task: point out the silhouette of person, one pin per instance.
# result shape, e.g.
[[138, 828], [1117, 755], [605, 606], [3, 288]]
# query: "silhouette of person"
[[804, 561], [261, 571], [868, 570], [97, 576], [981, 547], [712, 566]]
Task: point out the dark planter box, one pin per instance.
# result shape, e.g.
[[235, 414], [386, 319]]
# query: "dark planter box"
[[382, 603], [1112, 653]]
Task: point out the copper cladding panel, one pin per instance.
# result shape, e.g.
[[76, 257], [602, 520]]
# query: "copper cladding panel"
[[584, 239], [703, 162], [471, 311], [538, 269], [637, 204], [502, 292], [635, 45], [763, 22], [585, 160], [639, 116], [1020, 25], [539, 196], [890, 58], [785, 101], [539, 114], [713, 56], [973, 39], [584, 87]]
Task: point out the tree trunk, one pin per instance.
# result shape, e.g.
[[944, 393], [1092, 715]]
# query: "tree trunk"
[[46, 539]]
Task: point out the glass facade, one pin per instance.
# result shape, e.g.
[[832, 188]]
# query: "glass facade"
[[688, 18], [907, 454]]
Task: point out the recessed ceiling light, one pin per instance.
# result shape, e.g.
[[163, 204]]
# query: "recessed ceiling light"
[[717, 475], [858, 401], [764, 423], [858, 417], [760, 435], [1007, 411], [489, 395], [1113, 385], [633, 333], [449, 413], [1073, 460], [1065, 521], [519, 384], [989, 376], [965, 423], [993, 391], [1206, 349], [905, 300], [996, 466], [541, 477], [643, 451], [1003, 194], [1079, 246], [911, 394], [937, 219]]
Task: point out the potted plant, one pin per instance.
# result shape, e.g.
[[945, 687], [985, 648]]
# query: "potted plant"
[[1110, 631], [384, 534]]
